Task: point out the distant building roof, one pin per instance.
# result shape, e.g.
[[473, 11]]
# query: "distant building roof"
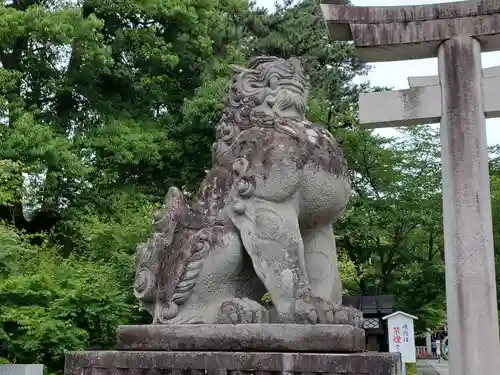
[[371, 304], [399, 313]]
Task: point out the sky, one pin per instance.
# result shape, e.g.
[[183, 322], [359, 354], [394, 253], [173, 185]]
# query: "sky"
[[395, 74]]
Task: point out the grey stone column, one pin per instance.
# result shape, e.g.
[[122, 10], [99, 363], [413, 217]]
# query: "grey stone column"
[[470, 268], [428, 342]]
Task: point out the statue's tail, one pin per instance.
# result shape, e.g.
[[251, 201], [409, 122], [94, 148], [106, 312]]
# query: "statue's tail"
[[169, 264], [158, 261]]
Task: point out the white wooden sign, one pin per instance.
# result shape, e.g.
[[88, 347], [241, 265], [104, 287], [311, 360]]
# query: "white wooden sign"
[[402, 336]]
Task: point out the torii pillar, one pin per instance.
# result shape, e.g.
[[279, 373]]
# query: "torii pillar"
[[457, 33]]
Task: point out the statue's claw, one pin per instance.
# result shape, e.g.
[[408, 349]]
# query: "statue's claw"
[[348, 315], [320, 311], [326, 310], [305, 312], [242, 310], [315, 311]]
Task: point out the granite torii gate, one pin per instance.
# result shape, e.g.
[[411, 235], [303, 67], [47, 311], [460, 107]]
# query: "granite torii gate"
[[460, 98]]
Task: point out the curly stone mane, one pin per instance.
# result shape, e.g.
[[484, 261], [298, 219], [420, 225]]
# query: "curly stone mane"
[[263, 80], [254, 94]]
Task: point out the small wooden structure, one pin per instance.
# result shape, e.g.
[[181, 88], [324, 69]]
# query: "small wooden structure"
[[374, 308]]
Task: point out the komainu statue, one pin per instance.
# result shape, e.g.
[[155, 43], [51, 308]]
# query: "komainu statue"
[[261, 220]]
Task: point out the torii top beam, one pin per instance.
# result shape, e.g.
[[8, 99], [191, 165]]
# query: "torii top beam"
[[391, 33]]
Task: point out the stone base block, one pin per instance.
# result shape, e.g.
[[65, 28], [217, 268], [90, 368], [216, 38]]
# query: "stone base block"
[[243, 337], [230, 363]]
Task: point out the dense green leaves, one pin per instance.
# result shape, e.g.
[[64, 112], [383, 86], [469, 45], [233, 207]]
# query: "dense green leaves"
[[11, 182], [91, 106], [49, 304]]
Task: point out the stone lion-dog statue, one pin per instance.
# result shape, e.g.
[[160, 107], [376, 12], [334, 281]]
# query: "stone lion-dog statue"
[[261, 219]]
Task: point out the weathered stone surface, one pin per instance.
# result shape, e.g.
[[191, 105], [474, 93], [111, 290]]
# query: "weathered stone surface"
[[19, 369], [400, 13], [470, 265], [261, 219], [418, 40], [421, 81], [222, 363], [412, 32], [243, 337], [419, 105]]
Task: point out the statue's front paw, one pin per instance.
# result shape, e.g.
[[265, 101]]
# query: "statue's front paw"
[[314, 311], [348, 315], [242, 310], [320, 311]]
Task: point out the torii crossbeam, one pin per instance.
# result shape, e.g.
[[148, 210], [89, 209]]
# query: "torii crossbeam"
[[460, 98], [421, 103]]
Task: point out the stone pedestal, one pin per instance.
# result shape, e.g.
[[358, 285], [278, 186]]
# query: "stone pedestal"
[[260, 349]]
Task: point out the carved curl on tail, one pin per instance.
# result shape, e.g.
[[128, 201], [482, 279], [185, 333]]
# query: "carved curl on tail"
[[169, 264], [151, 255], [181, 270]]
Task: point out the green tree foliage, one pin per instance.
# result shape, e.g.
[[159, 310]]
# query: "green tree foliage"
[[11, 184], [49, 304], [495, 205], [92, 109]]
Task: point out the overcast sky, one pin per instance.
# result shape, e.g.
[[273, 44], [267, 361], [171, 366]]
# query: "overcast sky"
[[395, 74]]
